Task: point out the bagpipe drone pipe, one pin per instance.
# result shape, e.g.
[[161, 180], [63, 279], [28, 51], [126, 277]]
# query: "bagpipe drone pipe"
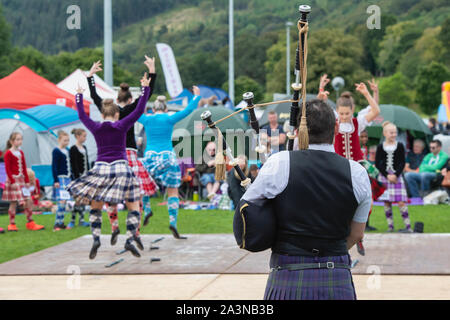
[[255, 223]]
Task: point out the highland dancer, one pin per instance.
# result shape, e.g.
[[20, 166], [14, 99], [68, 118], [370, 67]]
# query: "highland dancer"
[[111, 180], [346, 140], [79, 165], [160, 159], [125, 100], [390, 160]]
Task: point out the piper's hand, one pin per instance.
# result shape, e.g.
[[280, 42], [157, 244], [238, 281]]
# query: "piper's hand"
[[373, 85], [56, 185], [150, 63], [145, 82], [362, 88], [96, 67], [80, 90], [196, 90], [324, 81]]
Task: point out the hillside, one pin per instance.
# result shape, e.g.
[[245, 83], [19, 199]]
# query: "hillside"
[[197, 30]]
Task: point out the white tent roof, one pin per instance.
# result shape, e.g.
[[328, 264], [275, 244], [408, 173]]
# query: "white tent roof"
[[70, 84]]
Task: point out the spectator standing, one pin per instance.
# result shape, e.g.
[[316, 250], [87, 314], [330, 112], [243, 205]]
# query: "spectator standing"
[[207, 170], [235, 190], [275, 133]]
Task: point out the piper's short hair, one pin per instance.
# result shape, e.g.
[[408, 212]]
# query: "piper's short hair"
[[320, 122]]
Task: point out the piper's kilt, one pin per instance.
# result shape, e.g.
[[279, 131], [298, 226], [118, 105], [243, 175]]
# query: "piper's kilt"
[[13, 192], [310, 284], [164, 168], [108, 182], [63, 184], [395, 192], [146, 183]]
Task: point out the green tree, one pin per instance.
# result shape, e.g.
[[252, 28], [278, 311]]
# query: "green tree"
[[399, 38], [201, 68], [5, 35], [325, 55], [371, 39], [245, 84], [428, 86], [426, 49], [394, 90], [444, 37]]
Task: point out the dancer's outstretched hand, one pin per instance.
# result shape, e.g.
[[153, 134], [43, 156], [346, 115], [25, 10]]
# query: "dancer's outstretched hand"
[[96, 67], [145, 82], [196, 90], [150, 63], [362, 88], [324, 81], [80, 89], [373, 85]]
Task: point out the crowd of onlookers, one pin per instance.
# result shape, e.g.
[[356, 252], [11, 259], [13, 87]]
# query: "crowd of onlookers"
[[425, 169]]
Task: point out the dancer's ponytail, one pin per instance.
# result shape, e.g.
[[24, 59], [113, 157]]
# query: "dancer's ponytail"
[[124, 93]]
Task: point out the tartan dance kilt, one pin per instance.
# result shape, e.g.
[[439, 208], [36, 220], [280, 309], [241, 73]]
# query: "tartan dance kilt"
[[164, 168], [310, 284], [63, 184], [395, 192], [13, 192], [146, 183], [108, 182]]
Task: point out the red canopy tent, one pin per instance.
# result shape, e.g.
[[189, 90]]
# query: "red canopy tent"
[[24, 89]]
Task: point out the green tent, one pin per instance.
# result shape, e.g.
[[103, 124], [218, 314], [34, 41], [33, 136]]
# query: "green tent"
[[190, 132], [403, 118]]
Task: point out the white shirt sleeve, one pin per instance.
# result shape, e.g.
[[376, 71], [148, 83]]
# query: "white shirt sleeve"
[[362, 120], [272, 178], [362, 190]]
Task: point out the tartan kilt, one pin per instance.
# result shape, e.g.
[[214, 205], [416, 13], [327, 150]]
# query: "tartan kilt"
[[164, 168], [146, 183], [311, 284], [395, 192], [63, 183], [13, 192], [108, 182]]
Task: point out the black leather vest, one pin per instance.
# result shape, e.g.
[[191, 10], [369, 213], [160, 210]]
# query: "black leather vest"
[[315, 210]]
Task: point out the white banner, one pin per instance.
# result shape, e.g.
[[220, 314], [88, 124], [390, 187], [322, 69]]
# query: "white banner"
[[173, 79]]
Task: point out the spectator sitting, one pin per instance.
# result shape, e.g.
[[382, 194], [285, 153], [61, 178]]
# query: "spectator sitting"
[[207, 170], [419, 182], [414, 158], [275, 132], [235, 190], [254, 170]]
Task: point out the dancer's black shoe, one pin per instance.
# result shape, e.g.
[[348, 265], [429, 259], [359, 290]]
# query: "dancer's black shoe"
[[114, 236], [139, 243], [130, 247], [360, 248], [147, 218], [94, 249], [175, 233]]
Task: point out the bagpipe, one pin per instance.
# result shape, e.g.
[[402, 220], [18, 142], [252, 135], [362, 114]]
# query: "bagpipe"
[[254, 224]]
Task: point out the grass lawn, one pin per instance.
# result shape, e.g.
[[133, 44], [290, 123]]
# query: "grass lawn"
[[16, 244]]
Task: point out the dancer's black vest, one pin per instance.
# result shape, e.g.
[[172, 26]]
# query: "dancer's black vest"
[[315, 210]]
